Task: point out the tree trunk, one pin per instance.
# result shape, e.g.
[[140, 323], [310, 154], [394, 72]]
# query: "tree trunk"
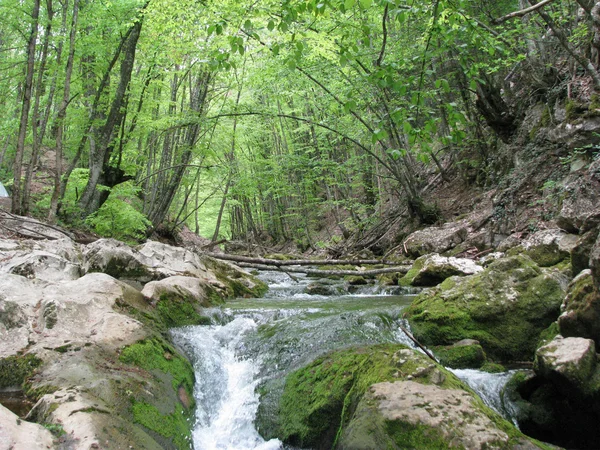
[[91, 199], [38, 126], [62, 113], [27, 90]]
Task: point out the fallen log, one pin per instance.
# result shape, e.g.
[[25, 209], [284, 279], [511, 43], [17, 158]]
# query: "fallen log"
[[299, 262], [325, 273]]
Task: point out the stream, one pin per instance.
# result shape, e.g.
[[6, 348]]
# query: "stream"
[[256, 342]]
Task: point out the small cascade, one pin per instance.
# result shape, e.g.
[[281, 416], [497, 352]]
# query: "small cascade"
[[225, 387], [490, 386], [254, 343]]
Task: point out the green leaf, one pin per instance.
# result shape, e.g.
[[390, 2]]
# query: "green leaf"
[[248, 24], [271, 25], [364, 4], [349, 106], [348, 4]]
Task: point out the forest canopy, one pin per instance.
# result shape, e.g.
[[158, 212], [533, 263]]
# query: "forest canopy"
[[269, 119]]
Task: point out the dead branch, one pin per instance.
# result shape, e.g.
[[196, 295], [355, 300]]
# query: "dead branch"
[[325, 273], [298, 262], [520, 13]]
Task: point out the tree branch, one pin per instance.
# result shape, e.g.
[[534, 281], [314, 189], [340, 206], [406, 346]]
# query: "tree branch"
[[520, 13]]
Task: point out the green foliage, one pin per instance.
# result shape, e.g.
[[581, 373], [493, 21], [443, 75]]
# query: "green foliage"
[[118, 217]]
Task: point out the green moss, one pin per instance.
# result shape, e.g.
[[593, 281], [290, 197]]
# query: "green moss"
[[176, 311], [492, 368], [355, 280], [15, 370], [407, 279], [154, 354], [416, 436], [173, 426], [548, 334], [505, 308], [461, 357], [321, 397]]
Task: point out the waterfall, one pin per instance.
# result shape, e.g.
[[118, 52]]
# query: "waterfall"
[[225, 387], [254, 343]]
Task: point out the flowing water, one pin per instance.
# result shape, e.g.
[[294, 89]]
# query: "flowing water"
[[256, 342]]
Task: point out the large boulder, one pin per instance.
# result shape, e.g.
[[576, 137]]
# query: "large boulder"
[[580, 210], [119, 260], [548, 247], [56, 260], [17, 434], [569, 361], [430, 270], [581, 309], [558, 402], [180, 300], [436, 239], [387, 396], [582, 250], [505, 308]]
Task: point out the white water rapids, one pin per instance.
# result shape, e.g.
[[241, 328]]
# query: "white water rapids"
[[258, 341]]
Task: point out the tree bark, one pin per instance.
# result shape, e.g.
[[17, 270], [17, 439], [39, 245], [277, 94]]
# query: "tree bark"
[[62, 113], [300, 262], [90, 200], [27, 90], [325, 273]]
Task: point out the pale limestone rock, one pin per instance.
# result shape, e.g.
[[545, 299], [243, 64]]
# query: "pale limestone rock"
[[17, 434], [436, 268], [180, 286], [570, 359], [436, 239]]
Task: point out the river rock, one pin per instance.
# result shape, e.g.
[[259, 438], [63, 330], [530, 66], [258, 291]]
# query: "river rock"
[[43, 260], [422, 414], [580, 209], [430, 270], [505, 308], [436, 239], [386, 396], [581, 309], [595, 263], [570, 361], [548, 247], [581, 252], [119, 260], [92, 350], [17, 434], [464, 354]]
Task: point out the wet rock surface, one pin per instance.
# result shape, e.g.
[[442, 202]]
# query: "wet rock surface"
[[90, 348]]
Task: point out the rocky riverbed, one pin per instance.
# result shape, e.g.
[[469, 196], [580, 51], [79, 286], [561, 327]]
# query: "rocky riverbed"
[[85, 348]]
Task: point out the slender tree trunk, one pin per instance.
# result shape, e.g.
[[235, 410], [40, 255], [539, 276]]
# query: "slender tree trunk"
[[27, 90], [38, 127], [90, 200], [62, 113]]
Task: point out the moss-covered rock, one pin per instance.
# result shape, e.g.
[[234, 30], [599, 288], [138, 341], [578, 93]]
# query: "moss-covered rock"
[[467, 354], [15, 370], [581, 309], [334, 402], [505, 308], [430, 270], [547, 247], [169, 419]]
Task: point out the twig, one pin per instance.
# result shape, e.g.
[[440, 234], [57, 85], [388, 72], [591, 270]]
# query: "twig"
[[417, 343]]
